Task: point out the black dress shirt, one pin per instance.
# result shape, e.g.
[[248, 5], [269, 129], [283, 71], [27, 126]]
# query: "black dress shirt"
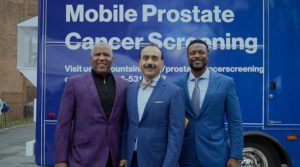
[[106, 89]]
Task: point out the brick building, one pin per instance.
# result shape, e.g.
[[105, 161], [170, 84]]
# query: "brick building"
[[14, 87]]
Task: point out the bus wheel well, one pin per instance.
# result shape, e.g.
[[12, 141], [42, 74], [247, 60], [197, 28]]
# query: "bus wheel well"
[[261, 138]]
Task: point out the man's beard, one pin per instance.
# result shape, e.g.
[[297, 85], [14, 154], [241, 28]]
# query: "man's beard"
[[197, 68]]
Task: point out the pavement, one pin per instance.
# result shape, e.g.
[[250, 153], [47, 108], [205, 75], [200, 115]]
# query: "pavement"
[[13, 146]]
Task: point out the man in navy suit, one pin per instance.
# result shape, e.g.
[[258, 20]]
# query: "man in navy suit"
[[154, 128], [209, 96]]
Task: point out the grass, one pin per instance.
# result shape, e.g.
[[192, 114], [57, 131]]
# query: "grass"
[[14, 122]]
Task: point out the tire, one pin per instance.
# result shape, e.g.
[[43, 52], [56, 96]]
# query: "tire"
[[260, 155]]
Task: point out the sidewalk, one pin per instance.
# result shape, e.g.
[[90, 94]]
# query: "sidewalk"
[[12, 146]]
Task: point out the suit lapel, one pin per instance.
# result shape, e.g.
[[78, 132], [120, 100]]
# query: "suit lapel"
[[94, 93], [133, 100], [157, 91], [184, 85], [212, 87]]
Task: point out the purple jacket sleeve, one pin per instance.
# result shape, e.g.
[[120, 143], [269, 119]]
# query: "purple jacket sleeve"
[[64, 123]]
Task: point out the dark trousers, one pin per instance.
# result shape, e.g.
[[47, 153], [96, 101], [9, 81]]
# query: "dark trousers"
[[109, 161], [134, 162]]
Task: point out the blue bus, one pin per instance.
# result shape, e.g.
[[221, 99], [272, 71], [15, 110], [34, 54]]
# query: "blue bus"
[[254, 41]]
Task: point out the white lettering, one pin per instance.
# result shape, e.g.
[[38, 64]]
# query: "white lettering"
[[91, 15], [188, 15], [148, 10], [72, 16], [75, 41], [72, 46], [118, 14]]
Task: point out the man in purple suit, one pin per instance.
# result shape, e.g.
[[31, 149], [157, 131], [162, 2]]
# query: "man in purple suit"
[[91, 113]]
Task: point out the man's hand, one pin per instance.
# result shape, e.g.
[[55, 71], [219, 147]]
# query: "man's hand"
[[233, 162], [123, 163], [61, 164]]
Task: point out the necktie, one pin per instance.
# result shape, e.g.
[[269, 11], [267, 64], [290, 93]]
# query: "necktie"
[[196, 97], [144, 84]]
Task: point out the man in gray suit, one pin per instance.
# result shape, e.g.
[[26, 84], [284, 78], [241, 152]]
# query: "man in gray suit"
[[95, 103]]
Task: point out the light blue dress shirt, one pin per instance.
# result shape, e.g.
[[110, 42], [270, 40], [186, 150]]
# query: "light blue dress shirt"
[[142, 99], [203, 85]]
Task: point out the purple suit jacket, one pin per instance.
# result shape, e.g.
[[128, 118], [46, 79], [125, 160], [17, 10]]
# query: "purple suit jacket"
[[88, 142]]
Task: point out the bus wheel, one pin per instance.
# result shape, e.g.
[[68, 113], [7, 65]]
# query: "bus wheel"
[[260, 155]]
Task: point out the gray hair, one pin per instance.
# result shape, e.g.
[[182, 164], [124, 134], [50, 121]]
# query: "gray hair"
[[101, 44]]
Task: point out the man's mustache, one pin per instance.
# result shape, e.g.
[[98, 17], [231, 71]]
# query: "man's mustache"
[[198, 59], [149, 66]]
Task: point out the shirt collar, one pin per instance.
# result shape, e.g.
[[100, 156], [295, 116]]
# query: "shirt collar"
[[108, 75], [205, 75], [99, 79]]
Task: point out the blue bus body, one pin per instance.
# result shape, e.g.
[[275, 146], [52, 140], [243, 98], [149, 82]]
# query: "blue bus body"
[[253, 41]]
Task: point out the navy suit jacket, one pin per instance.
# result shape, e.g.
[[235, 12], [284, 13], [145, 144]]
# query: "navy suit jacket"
[[205, 137], [161, 129]]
